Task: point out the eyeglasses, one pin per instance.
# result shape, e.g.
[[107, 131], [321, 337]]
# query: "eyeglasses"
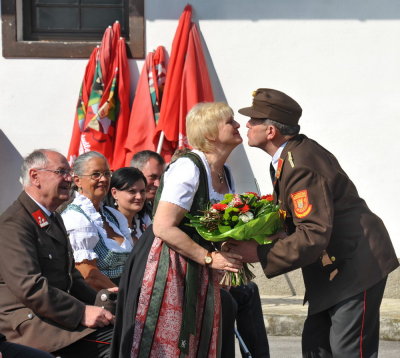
[[98, 175], [64, 173]]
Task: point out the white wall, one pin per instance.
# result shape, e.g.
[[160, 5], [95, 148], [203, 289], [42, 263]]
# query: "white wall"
[[339, 60]]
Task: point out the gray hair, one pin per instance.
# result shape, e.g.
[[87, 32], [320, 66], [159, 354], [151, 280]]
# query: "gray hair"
[[37, 159], [284, 129], [140, 159], [80, 162]]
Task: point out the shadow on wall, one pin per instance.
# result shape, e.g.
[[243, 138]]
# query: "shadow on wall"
[[11, 161]]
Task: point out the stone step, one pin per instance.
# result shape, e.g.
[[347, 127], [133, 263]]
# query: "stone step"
[[285, 315]]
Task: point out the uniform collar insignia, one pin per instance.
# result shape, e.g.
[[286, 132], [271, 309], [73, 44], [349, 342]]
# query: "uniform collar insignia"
[[279, 168], [40, 218]]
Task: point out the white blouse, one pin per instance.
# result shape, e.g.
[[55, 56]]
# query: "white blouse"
[[181, 182], [84, 234]]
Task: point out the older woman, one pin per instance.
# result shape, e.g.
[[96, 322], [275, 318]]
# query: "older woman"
[[99, 235], [128, 195], [178, 307]]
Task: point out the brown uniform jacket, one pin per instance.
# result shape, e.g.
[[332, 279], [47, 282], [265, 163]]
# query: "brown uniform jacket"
[[325, 212], [42, 295]]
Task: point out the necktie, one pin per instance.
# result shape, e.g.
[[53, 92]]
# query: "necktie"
[[272, 172], [55, 221]]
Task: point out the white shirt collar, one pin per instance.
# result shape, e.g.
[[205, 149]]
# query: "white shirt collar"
[[47, 211], [277, 155]]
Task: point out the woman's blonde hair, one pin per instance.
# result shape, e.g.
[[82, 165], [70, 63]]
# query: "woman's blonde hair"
[[202, 123]]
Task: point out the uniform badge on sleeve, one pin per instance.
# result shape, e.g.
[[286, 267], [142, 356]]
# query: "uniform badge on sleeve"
[[301, 205], [40, 218]]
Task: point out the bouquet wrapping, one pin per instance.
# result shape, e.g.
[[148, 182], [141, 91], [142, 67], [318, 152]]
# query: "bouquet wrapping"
[[240, 217]]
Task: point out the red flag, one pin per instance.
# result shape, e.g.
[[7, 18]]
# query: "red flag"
[[145, 107], [187, 83], [122, 123]]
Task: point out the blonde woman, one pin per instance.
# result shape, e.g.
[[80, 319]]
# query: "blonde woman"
[[177, 311]]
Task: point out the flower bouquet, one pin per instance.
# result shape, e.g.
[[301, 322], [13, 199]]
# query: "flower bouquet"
[[239, 217]]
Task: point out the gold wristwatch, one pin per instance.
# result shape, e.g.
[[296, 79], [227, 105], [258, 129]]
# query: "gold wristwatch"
[[208, 258]]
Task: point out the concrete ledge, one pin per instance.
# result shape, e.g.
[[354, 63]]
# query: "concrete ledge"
[[285, 315]]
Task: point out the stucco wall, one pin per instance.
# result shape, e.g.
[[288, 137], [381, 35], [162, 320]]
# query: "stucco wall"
[[339, 60]]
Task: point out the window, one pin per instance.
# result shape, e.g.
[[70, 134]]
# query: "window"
[[68, 28]]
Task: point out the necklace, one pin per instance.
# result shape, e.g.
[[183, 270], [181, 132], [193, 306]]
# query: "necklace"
[[220, 177]]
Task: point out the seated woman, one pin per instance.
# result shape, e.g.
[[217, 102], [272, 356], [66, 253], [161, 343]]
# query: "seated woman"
[[170, 304], [128, 195], [99, 235]]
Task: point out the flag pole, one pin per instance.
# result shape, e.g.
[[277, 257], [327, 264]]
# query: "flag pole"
[[160, 142]]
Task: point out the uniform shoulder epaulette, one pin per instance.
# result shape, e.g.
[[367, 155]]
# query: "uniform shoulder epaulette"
[[290, 159]]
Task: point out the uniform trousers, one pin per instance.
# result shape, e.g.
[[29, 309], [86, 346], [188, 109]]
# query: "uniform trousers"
[[94, 345], [13, 350], [349, 329]]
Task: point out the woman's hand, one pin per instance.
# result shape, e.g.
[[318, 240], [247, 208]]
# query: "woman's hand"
[[226, 261]]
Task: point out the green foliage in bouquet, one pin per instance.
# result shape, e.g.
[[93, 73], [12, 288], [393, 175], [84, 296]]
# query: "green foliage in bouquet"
[[240, 217]]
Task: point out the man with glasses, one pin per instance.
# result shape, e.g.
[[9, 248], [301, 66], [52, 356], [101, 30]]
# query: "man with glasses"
[[343, 248], [44, 301]]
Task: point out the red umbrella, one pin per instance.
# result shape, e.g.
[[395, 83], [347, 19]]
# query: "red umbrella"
[[97, 126], [122, 123], [187, 83], [196, 84], [81, 107], [145, 107]]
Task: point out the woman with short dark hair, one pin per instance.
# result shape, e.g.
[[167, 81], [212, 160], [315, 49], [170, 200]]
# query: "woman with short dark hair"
[[128, 195]]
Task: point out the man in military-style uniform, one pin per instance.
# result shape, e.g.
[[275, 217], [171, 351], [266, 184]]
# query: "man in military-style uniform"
[[342, 247], [44, 301]]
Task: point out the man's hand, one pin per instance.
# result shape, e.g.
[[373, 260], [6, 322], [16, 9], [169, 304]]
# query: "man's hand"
[[96, 317], [246, 249]]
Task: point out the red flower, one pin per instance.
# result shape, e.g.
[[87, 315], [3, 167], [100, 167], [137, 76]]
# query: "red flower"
[[268, 197], [245, 208], [219, 206], [252, 192]]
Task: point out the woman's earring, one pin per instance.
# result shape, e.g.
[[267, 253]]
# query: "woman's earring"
[[115, 202]]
